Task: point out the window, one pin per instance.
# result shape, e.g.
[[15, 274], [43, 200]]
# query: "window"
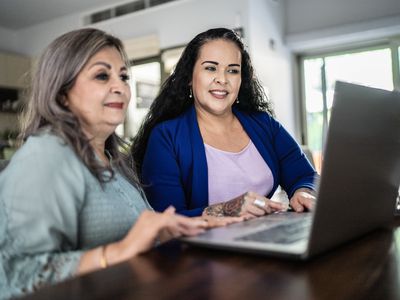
[[147, 75], [145, 83], [371, 66]]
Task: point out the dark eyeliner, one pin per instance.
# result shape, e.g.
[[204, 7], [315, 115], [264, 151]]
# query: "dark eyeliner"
[[102, 76], [125, 77]]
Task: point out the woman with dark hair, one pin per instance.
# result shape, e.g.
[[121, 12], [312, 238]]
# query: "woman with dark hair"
[[70, 201], [210, 141]]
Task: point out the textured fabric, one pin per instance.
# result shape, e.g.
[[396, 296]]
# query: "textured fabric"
[[174, 169], [231, 174], [52, 209]]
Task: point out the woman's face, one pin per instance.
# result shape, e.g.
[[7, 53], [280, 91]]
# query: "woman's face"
[[101, 93], [217, 77]]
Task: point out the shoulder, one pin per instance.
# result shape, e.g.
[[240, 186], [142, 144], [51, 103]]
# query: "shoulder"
[[177, 127], [261, 120], [177, 136], [47, 147], [177, 122], [48, 154], [254, 115], [46, 171], [45, 143]]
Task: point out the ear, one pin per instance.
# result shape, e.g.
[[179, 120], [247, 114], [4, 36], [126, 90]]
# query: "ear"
[[64, 100]]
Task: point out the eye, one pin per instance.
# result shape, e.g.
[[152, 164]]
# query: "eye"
[[102, 76], [234, 71], [124, 77], [210, 68]]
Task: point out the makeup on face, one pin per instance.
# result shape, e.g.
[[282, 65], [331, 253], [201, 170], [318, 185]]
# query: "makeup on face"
[[216, 76]]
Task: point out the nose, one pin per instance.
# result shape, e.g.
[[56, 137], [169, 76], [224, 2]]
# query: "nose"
[[116, 91], [118, 86], [221, 78]]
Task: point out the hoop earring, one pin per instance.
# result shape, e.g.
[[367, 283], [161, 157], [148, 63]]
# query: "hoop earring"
[[190, 93]]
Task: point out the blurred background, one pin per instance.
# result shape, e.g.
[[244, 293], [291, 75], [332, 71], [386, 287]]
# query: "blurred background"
[[299, 49]]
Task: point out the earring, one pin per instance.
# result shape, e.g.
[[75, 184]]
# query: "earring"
[[190, 93], [237, 101]]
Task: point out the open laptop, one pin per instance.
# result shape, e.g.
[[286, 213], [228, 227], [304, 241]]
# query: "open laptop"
[[357, 189]]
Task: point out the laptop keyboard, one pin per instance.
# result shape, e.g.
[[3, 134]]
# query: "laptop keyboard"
[[285, 233]]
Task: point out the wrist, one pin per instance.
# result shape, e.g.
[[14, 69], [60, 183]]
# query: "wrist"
[[305, 190], [115, 253], [103, 257]]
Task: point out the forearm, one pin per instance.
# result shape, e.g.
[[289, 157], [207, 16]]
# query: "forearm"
[[102, 257], [20, 274], [191, 212]]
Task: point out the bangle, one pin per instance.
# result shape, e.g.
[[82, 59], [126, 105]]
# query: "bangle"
[[103, 258]]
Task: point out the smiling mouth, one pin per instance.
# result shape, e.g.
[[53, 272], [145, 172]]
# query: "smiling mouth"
[[118, 105], [219, 93]]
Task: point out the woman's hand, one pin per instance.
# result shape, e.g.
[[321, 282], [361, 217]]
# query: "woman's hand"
[[303, 199], [149, 227], [152, 226], [248, 205], [213, 221], [176, 225]]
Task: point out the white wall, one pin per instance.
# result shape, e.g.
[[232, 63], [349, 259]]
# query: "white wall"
[[175, 23], [8, 41], [317, 24], [309, 15], [271, 58]]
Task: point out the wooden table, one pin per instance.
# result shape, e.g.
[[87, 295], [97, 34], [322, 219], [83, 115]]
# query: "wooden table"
[[368, 268]]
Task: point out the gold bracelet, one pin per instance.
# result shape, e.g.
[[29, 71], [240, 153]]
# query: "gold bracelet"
[[103, 259]]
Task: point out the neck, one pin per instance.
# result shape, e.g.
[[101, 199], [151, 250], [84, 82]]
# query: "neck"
[[218, 123], [98, 143]]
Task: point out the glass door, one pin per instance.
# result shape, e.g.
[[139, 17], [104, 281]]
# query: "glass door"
[[371, 67]]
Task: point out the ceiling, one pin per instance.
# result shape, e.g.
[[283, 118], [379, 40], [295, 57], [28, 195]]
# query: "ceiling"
[[18, 14]]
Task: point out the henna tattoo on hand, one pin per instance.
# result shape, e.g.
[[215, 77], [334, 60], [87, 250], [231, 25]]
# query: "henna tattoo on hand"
[[214, 210], [233, 207]]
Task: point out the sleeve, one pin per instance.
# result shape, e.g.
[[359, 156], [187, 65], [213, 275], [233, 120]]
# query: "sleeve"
[[195, 212], [295, 169], [41, 194], [161, 174]]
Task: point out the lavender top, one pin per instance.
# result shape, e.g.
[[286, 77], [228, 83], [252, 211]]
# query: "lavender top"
[[231, 174]]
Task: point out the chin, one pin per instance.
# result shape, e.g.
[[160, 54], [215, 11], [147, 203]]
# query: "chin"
[[221, 110]]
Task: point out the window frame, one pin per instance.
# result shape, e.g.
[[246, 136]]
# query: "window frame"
[[393, 44]]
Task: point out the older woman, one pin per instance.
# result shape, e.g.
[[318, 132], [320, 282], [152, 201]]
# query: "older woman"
[[210, 141], [69, 200]]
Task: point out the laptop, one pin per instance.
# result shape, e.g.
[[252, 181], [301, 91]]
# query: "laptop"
[[357, 189]]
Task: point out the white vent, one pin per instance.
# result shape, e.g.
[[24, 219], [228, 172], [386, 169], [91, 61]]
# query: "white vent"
[[124, 9]]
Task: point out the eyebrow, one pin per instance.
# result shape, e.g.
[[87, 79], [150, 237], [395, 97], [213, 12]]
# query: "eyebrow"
[[107, 65], [216, 63]]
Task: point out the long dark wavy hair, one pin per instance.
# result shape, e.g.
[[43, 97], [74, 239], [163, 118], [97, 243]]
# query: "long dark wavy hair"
[[55, 74], [173, 98]]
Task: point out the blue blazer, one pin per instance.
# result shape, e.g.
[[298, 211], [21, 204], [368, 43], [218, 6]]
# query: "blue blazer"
[[174, 170]]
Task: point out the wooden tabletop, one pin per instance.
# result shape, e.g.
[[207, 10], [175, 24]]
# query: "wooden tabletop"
[[368, 268]]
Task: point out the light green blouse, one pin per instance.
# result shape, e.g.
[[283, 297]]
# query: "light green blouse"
[[52, 209]]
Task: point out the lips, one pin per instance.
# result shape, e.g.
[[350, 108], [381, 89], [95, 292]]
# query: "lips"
[[220, 94], [117, 105]]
